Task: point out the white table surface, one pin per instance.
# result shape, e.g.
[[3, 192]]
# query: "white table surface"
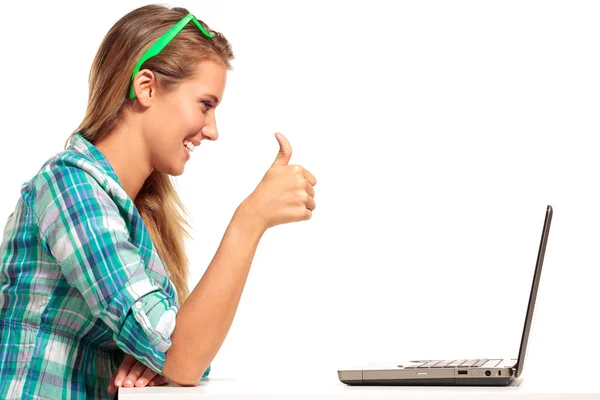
[[276, 384]]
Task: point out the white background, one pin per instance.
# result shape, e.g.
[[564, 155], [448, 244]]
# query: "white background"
[[438, 132]]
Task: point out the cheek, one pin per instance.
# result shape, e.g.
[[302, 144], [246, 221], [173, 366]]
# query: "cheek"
[[192, 118], [173, 121], [164, 121], [164, 133]]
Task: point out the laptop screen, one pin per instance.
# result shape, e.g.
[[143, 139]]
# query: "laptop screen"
[[533, 293]]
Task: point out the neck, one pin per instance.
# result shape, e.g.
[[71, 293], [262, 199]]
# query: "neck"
[[126, 152]]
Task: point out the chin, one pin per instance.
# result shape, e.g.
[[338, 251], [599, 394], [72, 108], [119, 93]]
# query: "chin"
[[176, 171], [172, 170]]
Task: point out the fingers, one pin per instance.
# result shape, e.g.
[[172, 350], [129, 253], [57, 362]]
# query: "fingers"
[[311, 204], [111, 385], [307, 215], [124, 369], [133, 373], [310, 177], [136, 371], [285, 150], [310, 190], [159, 380], [146, 377], [304, 173], [306, 182]]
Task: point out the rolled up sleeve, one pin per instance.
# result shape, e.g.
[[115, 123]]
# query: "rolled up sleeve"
[[153, 318], [82, 227]]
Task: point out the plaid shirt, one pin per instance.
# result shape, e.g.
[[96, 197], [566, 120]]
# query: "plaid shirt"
[[80, 283]]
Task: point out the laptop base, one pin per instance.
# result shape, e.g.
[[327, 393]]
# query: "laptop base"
[[433, 382]]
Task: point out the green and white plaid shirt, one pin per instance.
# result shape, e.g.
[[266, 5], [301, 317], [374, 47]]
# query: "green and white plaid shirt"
[[80, 283]]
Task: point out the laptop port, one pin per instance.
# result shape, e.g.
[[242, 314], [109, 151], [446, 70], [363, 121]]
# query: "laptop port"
[[462, 372], [488, 372], [499, 373]]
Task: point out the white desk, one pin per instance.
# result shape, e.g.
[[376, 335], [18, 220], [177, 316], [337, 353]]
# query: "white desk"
[[328, 387]]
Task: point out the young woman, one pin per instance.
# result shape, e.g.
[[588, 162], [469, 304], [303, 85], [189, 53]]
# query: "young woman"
[[93, 279]]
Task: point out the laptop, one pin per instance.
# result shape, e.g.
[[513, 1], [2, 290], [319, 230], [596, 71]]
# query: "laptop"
[[460, 372]]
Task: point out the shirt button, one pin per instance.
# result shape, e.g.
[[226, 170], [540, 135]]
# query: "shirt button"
[[138, 305]]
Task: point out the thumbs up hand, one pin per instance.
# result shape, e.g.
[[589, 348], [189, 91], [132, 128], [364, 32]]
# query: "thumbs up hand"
[[285, 194]]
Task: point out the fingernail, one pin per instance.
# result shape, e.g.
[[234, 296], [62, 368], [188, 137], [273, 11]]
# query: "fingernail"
[[128, 382], [151, 383], [139, 382], [118, 382]]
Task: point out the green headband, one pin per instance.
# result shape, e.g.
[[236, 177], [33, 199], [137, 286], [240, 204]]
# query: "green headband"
[[162, 42]]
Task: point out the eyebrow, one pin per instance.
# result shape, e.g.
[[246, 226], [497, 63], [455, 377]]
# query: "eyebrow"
[[213, 98]]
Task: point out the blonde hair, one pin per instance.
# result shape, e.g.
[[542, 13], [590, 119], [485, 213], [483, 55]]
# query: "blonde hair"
[[157, 201]]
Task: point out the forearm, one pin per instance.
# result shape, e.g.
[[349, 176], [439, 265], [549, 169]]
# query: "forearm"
[[206, 316]]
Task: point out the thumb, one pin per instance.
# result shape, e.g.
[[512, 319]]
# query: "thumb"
[[285, 150]]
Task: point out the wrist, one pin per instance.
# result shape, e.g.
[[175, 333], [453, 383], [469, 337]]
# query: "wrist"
[[247, 217]]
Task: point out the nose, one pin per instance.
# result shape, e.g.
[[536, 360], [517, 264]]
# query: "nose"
[[210, 131]]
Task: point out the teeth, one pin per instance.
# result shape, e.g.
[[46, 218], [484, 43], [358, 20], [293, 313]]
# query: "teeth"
[[189, 145]]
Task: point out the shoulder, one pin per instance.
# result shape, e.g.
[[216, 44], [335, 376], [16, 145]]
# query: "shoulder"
[[67, 179], [66, 166]]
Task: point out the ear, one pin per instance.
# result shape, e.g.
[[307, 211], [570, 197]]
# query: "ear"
[[144, 86]]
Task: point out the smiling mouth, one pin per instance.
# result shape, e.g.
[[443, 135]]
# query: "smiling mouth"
[[189, 145]]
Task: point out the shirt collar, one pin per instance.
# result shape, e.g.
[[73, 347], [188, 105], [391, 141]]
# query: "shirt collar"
[[81, 145]]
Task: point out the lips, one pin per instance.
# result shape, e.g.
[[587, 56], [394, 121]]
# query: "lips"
[[189, 145]]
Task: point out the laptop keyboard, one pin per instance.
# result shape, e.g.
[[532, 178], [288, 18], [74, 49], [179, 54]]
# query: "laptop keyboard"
[[450, 363]]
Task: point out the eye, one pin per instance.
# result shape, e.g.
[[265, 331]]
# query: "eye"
[[206, 106]]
